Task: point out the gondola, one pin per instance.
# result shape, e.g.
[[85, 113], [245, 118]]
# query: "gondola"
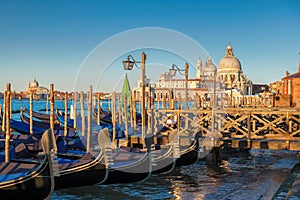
[[30, 178], [41, 124], [190, 155], [24, 128], [128, 166], [105, 116], [165, 158], [119, 129], [74, 167], [90, 169], [61, 119], [40, 116]]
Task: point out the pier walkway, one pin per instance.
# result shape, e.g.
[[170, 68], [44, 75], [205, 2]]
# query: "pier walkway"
[[267, 128]]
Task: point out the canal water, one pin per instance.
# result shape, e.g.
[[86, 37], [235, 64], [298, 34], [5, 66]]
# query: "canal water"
[[253, 174]]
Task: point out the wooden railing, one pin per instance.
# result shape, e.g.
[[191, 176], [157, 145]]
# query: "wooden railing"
[[235, 124]]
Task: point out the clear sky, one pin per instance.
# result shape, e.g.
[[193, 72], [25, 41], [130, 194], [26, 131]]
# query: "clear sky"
[[49, 40]]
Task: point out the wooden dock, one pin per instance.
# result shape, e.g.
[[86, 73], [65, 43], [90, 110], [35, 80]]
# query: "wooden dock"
[[259, 128]]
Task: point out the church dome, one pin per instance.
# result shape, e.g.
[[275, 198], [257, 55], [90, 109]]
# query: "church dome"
[[209, 66], [34, 84], [229, 61]]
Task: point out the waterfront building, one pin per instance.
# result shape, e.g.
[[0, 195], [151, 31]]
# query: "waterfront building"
[[138, 89], [201, 85], [229, 74], [39, 92], [226, 78], [287, 91]]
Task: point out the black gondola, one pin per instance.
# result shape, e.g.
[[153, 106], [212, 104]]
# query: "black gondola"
[[41, 124], [190, 155], [90, 169], [30, 179], [127, 166], [40, 116]]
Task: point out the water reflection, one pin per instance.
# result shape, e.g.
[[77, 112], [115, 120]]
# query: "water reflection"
[[254, 174]]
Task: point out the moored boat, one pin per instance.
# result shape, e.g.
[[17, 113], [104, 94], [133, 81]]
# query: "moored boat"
[[127, 166], [89, 169], [30, 178]]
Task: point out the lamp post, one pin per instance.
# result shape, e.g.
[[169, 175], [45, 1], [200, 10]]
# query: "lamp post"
[[186, 73], [128, 65], [231, 83]]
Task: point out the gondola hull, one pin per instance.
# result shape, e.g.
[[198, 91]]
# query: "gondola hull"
[[165, 163], [129, 173], [29, 178], [190, 155], [36, 185], [93, 171]]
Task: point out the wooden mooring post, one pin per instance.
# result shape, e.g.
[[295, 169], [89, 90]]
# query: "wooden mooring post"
[[75, 111], [51, 107], [114, 120], [98, 109], [82, 113], [89, 131], [66, 116], [30, 111], [7, 114]]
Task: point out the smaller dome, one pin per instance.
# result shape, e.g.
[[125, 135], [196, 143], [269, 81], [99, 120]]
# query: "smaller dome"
[[34, 84], [209, 66]]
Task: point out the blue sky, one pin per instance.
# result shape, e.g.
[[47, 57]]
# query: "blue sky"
[[49, 40]]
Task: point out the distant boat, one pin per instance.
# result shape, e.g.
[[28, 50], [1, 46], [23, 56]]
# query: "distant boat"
[[105, 116], [40, 116], [30, 178], [41, 124]]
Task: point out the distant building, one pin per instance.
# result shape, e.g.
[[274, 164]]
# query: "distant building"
[[227, 78], [260, 88], [39, 92], [287, 91], [201, 85]]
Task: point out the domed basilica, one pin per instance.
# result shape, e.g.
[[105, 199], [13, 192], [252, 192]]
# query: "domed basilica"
[[230, 73], [37, 90]]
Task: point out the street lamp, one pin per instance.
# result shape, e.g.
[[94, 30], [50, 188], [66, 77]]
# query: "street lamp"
[[128, 65], [231, 84], [172, 72]]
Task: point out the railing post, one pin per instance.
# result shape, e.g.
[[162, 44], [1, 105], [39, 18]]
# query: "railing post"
[[287, 123], [249, 129]]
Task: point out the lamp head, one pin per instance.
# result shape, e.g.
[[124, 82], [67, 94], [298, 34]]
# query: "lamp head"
[[172, 71], [128, 64]]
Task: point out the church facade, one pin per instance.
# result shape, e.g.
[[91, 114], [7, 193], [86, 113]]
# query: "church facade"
[[39, 92], [231, 75], [228, 76]]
